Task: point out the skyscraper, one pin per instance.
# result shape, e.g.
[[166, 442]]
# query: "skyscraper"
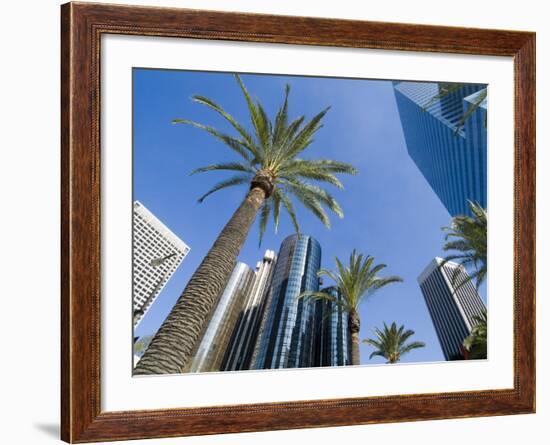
[[243, 339], [332, 339], [454, 162], [286, 335], [157, 253], [215, 340], [451, 304]]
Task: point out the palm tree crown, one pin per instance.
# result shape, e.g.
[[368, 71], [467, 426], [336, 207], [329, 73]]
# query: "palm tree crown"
[[390, 343], [468, 236], [355, 282], [269, 160]]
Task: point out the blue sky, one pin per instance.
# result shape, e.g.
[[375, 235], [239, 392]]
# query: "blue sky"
[[390, 210]]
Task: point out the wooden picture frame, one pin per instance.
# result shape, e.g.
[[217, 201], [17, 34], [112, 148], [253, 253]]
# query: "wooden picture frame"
[[82, 26]]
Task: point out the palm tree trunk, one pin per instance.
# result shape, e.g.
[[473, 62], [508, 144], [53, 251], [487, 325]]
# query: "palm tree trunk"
[[354, 324], [171, 348]]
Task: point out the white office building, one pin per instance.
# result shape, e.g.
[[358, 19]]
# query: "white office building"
[[157, 253], [453, 303]]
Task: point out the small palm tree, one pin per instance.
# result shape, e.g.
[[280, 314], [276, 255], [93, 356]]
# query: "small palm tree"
[[476, 343], [468, 236], [270, 167], [390, 343], [355, 282]]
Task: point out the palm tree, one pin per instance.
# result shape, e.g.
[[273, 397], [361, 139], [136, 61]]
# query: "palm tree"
[[468, 236], [390, 343], [355, 282], [476, 343], [270, 166]]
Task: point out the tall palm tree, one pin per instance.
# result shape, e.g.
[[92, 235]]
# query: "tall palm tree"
[[270, 166], [391, 343], [468, 236], [355, 282], [476, 343]]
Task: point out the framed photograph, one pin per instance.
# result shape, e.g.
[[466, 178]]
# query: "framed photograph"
[[275, 222]]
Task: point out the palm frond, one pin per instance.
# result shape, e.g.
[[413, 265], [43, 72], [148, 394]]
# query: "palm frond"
[[411, 346], [467, 238], [377, 353], [325, 272], [234, 123], [312, 204], [236, 145], [257, 117], [473, 107], [318, 295], [231, 166], [300, 188], [287, 204], [235, 180], [264, 218], [281, 120], [303, 138], [276, 200], [445, 90]]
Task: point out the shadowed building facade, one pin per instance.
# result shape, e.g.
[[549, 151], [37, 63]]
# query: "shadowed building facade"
[[215, 339], [451, 304], [245, 333], [451, 158], [332, 339], [287, 331]]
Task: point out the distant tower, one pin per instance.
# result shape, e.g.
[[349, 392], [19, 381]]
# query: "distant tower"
[[332, 339], [453, 162], [157, 253], [244, 336], [452, 305], [286, 333], [215, 339]]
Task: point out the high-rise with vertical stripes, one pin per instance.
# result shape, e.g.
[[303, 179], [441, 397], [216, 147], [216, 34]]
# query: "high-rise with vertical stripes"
[[215, 340], [238, 354], [453, 303], [451, 157], [157, 253], [287, 332], [332, 339]]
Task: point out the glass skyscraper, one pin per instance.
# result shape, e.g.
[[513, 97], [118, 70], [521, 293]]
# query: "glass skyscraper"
[[215, 339], [453, 160], [332, 342], [451, 304], [243, 339], [287, 331]]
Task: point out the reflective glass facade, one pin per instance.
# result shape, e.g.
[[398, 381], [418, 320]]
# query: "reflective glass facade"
[[333, 346], [243, 340], [215, 339], [453, 162], [452, 306], [287, 332]]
